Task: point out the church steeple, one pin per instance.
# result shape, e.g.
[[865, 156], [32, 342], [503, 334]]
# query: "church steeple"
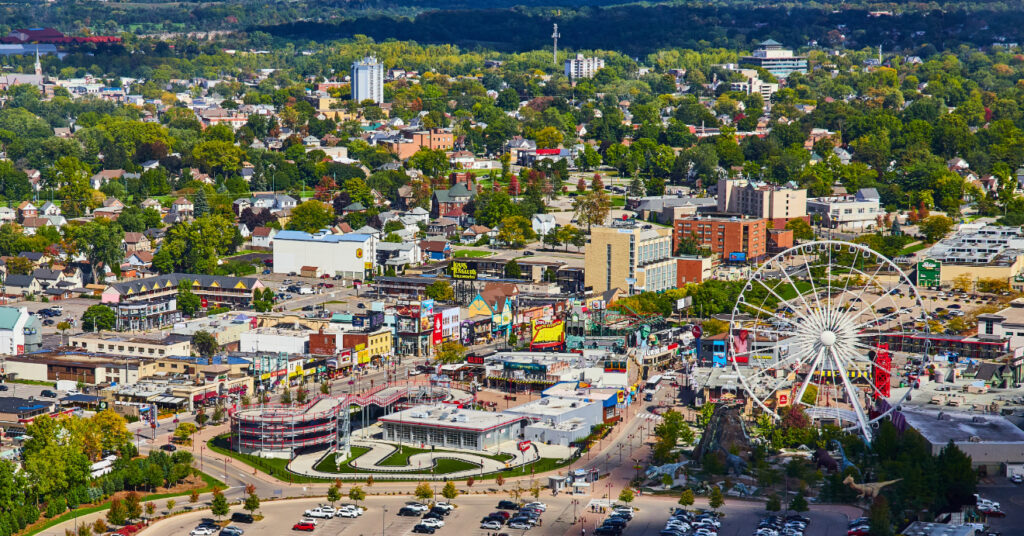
[[39, 66]]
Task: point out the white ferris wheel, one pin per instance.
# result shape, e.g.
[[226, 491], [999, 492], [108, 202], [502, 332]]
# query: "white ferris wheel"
[[811, 327]]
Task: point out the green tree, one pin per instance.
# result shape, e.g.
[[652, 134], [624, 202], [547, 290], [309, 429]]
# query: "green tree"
[[512, 270], [170, 505], [311, 216], [252, 502], [432, 162], [799, 503], [801, 229], [686, 498], [19, 266], [934, 228], [286, 396], [440, 290], [116, 514], [218, 157], [188, 302], [449, 491], [880, 517], [357, 494], [204, 343], [334, 494], [98, 318], [200, 204], [100, 240], [423, 491], [73, 177], [716, 500], [773, 504], [184, 431], [132, 506], [626, 495], [592, 208], [515, 231], [219, 504], [451, 352]]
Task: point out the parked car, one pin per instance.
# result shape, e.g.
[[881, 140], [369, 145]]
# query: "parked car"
[[432, 522], [168, 447], [239, 517], [304, 525], [232, 530], [3, 387], [423, 529], [420, 508], [490, 525], [507, 505], [46, 393], [520, 525], [202, 531], [406, 511]]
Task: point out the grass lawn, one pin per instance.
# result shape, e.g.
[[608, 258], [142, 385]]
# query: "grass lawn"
[[618, 201], [272, 466], [472, 253], [328, 464], [31, 382], [912, 249]]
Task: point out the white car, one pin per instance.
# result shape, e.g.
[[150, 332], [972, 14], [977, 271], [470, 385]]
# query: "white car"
[[432, 523], [359, 510], [202, 531], [319, 513], [420, 508], [490, 525], [520, 525], [347, 512], [307, 519], [538, 505], [1016, 478], [445, 506], [704, 532]]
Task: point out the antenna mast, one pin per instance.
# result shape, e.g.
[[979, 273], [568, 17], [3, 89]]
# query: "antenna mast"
[[555, 36]]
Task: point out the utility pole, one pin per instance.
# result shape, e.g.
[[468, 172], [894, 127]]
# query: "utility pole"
[[555, 36]]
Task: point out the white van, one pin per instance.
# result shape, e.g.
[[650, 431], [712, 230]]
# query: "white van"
[[306, 290]]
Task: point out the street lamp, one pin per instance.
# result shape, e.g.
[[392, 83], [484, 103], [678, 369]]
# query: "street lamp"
[[384, 514]]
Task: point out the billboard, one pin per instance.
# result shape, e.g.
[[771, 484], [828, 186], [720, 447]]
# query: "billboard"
[[426, 315], [882, 370], [547, 334], [737, 256], [462, 271], [437, 334], [929, 273]]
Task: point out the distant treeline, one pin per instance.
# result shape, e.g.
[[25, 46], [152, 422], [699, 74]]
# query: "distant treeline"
[[640, 29]]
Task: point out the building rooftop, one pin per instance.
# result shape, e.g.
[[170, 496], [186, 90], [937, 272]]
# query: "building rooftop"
[[322, 237], [549, 406], [16, 405], [446, 416], [941, 427]]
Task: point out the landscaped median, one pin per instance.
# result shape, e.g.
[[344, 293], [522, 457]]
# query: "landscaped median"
[[209, 483]]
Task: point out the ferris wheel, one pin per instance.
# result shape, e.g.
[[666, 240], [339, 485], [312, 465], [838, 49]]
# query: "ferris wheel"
[[812, 327]]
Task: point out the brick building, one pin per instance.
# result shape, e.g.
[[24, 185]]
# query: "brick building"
[[737, 238]]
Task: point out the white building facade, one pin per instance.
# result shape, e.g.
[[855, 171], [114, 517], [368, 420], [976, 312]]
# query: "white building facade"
[[581, 67], [349, 255], [368, 80], [846, 212]]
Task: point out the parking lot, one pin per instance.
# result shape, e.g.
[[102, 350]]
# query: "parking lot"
[[740, 518]]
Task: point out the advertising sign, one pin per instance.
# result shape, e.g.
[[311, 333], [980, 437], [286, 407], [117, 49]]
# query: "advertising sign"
[[782, 399], [475, 360], [358, 322], [737, 256], [547, 334], [524, 446], [426, 315], [697, 332], [929, 273], [535, 368], [437, 334], [882, 368], [462, 271], [204, 303]]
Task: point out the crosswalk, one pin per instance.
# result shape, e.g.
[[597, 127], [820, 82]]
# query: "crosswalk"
[[650, 417]]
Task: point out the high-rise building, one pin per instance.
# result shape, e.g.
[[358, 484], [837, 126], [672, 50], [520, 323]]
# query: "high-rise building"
[[762, 200], [632, 257], [368, 80], [779, 61], [580, 67]]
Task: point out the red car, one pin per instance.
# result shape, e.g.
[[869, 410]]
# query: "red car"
[[994, 513], [859, 531], [325, 276], [304, 525]]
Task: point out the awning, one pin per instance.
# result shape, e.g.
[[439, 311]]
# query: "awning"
[[211, 394], [197, 398]]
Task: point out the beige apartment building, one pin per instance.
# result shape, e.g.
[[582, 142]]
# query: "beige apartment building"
[[631, 256], [172, 345], [777, 204]]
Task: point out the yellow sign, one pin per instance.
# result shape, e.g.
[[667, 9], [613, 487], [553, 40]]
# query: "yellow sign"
[[548, 333], [461, 270], [359, 253], [363, 357]]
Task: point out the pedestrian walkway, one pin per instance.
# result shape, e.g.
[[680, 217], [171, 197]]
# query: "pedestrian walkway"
[[419, 464]]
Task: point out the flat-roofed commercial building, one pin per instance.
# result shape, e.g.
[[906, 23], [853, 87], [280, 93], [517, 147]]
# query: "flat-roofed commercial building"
[[734, 238], [632, 257], [445, 426]]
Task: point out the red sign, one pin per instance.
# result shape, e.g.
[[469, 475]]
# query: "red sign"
[[783, 399], [697, 332], [438, 334], [203, 302], [524, 446], [475, 360], [252, 322]]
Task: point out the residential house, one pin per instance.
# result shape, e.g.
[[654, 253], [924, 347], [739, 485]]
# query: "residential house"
[[47, 278], [442, 227], [133, 242], [153, 204], [27, 210], [263, 237], [8, 215], [543, 223], [474, 233], [49, 209], [108, 175], [31, 226], [451, 203], [182, 209], [398, 254], [21, 285], [418, 215], [436, 250]]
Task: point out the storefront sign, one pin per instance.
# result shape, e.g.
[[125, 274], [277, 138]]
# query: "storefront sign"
[[524, 446], [437, 335], [462, 271]]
